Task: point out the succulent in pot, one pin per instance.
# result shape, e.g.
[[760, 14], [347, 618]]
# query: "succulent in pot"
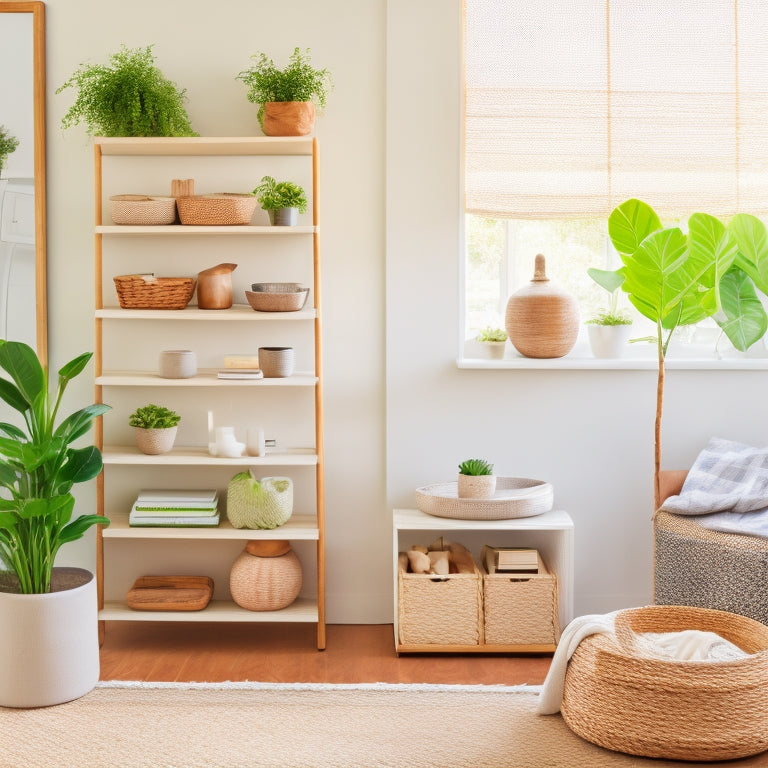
[[609, 330], [476, 479], [283, 200], [494, 341], [156, 428], [286, 97]]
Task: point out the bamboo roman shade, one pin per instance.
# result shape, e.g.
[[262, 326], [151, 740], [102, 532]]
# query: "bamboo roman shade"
[[573, 106]]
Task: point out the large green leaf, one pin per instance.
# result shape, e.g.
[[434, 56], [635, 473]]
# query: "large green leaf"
[[752, 240], [73, 368], [611, 280], [12, 396], [81, 465], [630, 223], [79, 526], [744, 321], [78, 423], [20, 362]]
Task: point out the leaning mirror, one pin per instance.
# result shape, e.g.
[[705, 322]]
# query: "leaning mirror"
[[23, 305]]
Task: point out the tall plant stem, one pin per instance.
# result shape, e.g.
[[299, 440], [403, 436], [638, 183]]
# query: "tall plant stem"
[[657, 430]]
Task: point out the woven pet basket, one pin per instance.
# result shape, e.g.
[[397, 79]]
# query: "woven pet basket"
[[225, 208], [618, 697], [150, 292], [142, 209], [521, 609], [441, 610]]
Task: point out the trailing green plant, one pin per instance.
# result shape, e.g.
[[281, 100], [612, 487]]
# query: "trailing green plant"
[[8, 145], [298, 81], [273, 195], [154, 417], [611, 281], [38, 467], [475, 467], [128, 97], [492, 334]]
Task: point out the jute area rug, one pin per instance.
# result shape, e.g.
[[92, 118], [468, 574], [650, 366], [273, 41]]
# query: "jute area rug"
[[253, 725]]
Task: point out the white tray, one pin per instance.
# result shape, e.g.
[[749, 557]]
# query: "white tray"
[[514, 497]]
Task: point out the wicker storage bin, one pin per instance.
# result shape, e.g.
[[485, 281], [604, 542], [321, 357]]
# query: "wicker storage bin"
[[618, 697], [224, 208], [150, 292], [439, 610], [142, 209], [521, 609]]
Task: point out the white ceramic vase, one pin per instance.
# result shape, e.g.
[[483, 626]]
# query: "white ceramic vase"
[[49, 644], [608, 341]]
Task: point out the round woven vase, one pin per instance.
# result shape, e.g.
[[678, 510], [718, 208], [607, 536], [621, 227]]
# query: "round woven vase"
[[266, 576], [155, 441], [276, 362], [542, 320]]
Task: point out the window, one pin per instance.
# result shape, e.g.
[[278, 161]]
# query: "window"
[[573, 106]]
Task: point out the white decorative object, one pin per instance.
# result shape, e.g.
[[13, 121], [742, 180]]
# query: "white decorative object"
[[255, 443], [226, 444], [178, 364], [608, 341]]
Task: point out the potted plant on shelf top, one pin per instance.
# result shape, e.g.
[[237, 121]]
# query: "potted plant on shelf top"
[[287, 97], [494, 340], [156, 428], [609, 330], [476, 480], [128, 97], [8, 144], [49, 639], [283, 200]]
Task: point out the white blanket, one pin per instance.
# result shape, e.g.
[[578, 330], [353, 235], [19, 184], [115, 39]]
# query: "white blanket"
[[726, 489]]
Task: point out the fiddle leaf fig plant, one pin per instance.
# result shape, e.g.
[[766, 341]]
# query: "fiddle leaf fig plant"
[[39, 466]]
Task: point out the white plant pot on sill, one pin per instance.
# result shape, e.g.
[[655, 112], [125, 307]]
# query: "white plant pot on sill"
[[608, 341], [49, 643]]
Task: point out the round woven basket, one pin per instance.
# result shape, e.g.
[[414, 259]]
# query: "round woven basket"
[[150, 292], [265, 583], [222, 209], [142, 209], [277, 297], [618, 697]]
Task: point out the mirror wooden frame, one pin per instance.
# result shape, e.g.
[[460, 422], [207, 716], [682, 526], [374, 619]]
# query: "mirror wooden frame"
[[37, 9]]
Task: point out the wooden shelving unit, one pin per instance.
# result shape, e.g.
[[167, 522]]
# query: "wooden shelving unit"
[[128, 343]]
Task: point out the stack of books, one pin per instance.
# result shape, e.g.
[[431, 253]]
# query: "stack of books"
[[240, 373], [162, 508], [511, 560]]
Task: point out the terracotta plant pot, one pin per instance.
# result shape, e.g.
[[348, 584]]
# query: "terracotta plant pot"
[[288, 118]]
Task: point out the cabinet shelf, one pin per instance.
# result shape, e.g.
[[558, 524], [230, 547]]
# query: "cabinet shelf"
[[301, 610], [179, 230], [181, 456], [237, 312], [202, 379], [201, 146], [298, 527]]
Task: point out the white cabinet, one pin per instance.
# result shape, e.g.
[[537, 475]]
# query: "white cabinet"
[[551, 533], [129, 343]]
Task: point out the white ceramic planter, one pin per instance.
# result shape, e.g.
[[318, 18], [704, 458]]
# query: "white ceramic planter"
[[494, 349], [49, 644], [608, 340]]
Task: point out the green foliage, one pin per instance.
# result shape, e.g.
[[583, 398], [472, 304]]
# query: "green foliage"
[[38, 467], [128, 97], [611, 281], [8, 144], [273, 195], [475, 467], [298, 81], [606, 318], [492, 334], [154, 417]]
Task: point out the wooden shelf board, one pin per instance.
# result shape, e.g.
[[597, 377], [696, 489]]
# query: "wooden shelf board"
[[301, 610], [286, 457], [205, 145], [205, 378], [176, 230], [237, 312], [298, 527], [430, 648], [415, 520]]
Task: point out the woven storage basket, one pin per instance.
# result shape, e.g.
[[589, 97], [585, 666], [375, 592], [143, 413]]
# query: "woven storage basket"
[[709, 569], [618, 697], [150, 292], [224, 208], [277, 297], [142, 209], [521, 609], [439, 610], [265, 583]]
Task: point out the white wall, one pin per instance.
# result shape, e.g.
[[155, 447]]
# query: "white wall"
[[590, 433]]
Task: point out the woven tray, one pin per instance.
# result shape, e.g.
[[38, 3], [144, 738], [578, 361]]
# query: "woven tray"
[[515, 497], [221, 209], [150, 292]]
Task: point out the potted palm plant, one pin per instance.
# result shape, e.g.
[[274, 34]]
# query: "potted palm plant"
[[609, 330], [53, 606], [283, 200], [287, 97]]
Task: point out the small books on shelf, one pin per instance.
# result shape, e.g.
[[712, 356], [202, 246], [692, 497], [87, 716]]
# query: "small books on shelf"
[[165, 508], [511, 560], [240, 373]]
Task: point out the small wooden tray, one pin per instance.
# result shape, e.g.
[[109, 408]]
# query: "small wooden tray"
[[170, 593]]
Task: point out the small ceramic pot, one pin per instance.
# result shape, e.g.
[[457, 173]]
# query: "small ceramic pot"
[[155, 441], [284, 217], [608, 341], [476, 486], [178, 364], [276, 362]]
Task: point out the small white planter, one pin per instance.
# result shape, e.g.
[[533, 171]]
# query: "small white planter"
[[493, 349], [155, 441], [49, 644], [476, 486], [608, 340]]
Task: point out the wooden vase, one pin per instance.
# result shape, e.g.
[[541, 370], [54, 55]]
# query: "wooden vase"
[[542, 319], [214, 287]]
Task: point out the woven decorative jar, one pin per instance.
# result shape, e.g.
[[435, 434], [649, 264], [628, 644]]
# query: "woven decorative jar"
[[276, 362], [542, 320], [266, 576], [155, 441], [288, 118]]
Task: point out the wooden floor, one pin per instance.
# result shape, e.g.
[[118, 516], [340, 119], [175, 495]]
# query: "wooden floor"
[[287, 653]]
